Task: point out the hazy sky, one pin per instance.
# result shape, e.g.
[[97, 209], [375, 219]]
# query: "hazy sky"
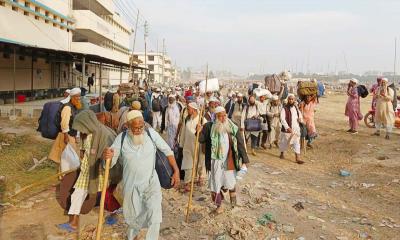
[[266, 36]]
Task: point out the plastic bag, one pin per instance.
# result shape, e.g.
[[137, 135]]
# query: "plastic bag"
[[69, 159]]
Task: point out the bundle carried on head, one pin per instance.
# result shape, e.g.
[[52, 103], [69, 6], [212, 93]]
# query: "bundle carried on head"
[[307, 88], [126, 87]]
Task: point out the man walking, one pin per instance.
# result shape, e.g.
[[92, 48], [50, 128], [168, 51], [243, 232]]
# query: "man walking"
[[273, 113], [251, 112], [291, 119], [141, 186], [224, 150], [156, 108]]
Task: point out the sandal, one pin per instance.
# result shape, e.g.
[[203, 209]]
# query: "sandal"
[[66, 227]]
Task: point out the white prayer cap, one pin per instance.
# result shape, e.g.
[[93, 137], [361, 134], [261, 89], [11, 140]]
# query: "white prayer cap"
[[354, 80], [194, 105], [68, 91], [385, 79], [213, 99], [134, 114], [141, 91], [240, 95], [219, 109], [230, 94], [75, 91], [275, 97], [291, 95], [169, 90], [172, 96], [158, 89]]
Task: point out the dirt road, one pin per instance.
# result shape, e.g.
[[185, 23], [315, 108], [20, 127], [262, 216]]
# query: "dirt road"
[[365, 205]]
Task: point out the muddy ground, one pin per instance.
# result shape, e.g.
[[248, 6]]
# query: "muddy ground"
[[364, 205]]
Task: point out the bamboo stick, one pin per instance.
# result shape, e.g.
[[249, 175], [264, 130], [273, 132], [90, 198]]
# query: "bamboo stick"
[[102, 200]]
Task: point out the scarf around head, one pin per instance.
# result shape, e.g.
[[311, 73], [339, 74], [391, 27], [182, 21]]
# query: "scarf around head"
[[216, 146], [102, 137]]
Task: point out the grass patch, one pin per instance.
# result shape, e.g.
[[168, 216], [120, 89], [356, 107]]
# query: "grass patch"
[[17, 158]]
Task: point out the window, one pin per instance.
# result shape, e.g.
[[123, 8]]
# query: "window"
[[2, 3], [150, 58], [151, 67], [47, 15]]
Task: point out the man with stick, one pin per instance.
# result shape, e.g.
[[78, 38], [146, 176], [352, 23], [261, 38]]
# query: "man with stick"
[[141, 186], [224, 148], [188, 140]]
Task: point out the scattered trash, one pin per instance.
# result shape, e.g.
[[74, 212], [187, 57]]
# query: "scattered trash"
[[381, 158], [298, 206], [288, 228], [363, 235], [276, 173], [367, 185], [36, 163], [342, 238], [201, 199], [301, 238], [344, 173], [265, 219], [2, 178], [396, 181]]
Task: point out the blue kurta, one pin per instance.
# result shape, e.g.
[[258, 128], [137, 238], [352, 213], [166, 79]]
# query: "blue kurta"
[[141, 187]]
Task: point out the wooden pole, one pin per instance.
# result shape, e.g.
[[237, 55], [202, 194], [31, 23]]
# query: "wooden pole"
[[196, 155], [102, 200]]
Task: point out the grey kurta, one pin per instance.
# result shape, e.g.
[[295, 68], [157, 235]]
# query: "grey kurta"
[[141, 187]]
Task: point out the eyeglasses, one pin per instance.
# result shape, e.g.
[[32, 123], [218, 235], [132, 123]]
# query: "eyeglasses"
[[139, 129]]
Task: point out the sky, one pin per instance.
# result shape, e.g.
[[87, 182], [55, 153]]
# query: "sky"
[[265, 36]]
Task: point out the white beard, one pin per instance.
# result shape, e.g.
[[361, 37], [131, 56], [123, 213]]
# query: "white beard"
[[137, 139], [222, 128]]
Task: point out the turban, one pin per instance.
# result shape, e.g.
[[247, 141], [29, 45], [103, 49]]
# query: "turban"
[[75, 91], [68, 91], [134, 114], [219, 109], [194, 105], [136, 105], [213, 99], [275, 97], [240, 95], [385, 79], [291, 95]]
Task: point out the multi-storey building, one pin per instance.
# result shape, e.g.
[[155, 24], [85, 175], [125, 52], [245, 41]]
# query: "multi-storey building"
[[48, 45], [162, 70]]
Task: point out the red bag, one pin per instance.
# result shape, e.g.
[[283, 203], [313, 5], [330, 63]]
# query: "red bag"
[[111, 204]]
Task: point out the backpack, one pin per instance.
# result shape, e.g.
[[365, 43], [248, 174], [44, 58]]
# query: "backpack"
[[362, 91], [50, 120], [156, 104], [108, 101]]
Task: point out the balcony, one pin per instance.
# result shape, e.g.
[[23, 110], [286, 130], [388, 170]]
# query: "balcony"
[[92, 26], [100, 7], [93, 49]]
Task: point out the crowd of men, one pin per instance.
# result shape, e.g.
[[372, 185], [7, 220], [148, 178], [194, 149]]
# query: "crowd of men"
[[220, 128]]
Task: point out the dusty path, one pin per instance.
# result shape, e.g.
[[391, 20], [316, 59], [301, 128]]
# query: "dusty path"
[[365, 205]]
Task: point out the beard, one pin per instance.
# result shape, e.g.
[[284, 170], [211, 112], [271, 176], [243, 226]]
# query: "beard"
[[212, 109], [222, 127], [137, 139], [252, 103], [77, 104]]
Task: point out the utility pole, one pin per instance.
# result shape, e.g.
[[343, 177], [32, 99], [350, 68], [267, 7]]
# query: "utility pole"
[[131, 69], [163, 60], [146, 34], [395, 60]]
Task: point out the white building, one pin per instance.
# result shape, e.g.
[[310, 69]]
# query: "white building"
[[161, 68], [53, 40]]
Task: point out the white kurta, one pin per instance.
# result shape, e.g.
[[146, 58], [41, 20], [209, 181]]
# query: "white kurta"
[[141, 187], [253, 112], [220, 177], [262, 109], [288, 139], [188, 142], [275, 122], [172, 116]]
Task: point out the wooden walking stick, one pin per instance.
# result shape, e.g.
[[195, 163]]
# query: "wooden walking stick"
[[102, 200], [196, 155]]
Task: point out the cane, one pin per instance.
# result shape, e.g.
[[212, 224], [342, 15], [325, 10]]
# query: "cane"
[[102, 200], [196, 155]]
